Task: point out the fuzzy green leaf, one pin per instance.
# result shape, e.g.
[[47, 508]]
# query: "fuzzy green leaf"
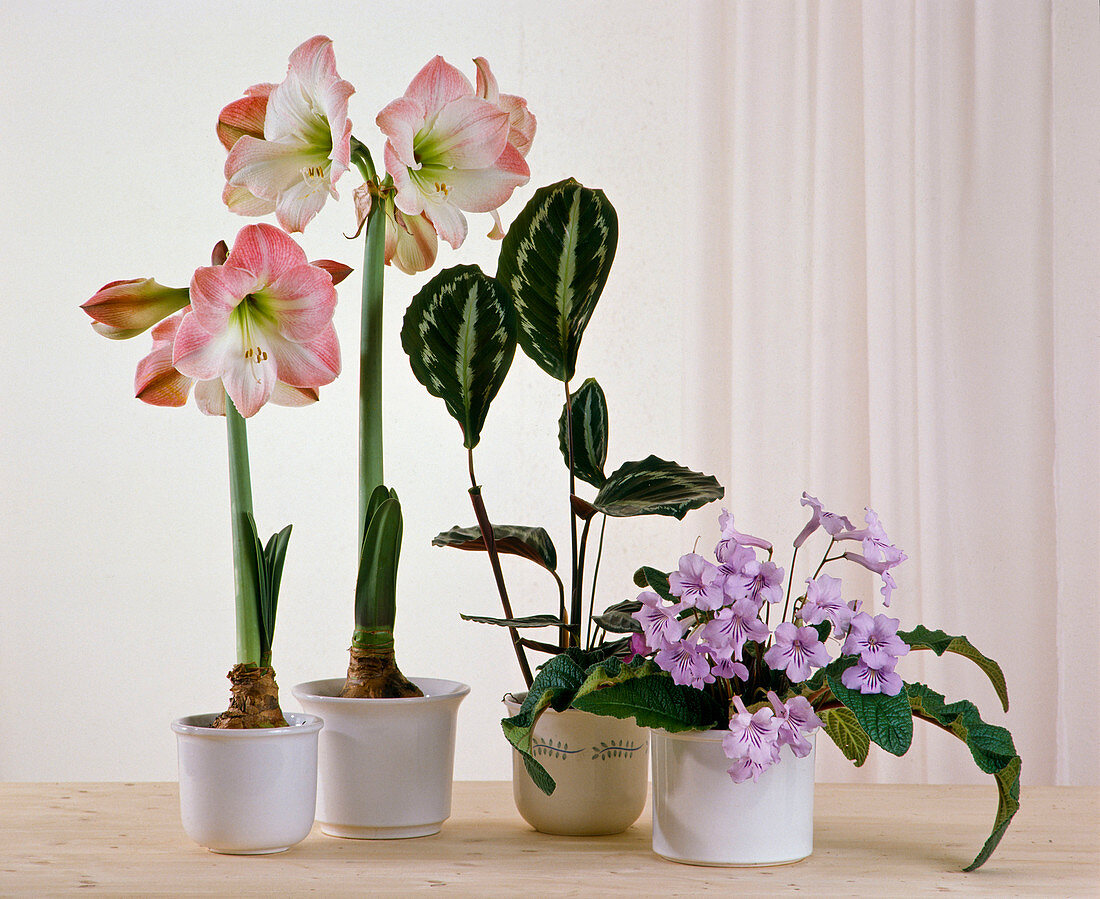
[[512, 539], [921, 637], [589, 413], [843, 728], [655, 487], [990, 745], [554, 262], [460, 336], [657, 581], [887, 720]]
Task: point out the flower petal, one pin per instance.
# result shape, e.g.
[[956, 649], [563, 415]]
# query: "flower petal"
[[244, 116], [486, 81], [409, 199], [400, 121], [210, 397], [302, 301], [336, 270], [216, 290], [467, 133], [242, 201], [411, 242], [267, 168], [521, 123], [250, 377], [200, 354], [448, 221], [482, 190], [285, 395], [266, 251], [298, 204], [311, 364], [437, 84], [157, 381]]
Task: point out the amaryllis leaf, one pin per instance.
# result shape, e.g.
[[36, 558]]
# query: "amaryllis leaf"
[[589, 413], [460, 336], [530, 543], [528, 621], [376, 585], [657, 581], [843, 728], [921, 637], [887, 720], [655, 487], [274, 555], [253, 560], [554, 262], [619, 618], [990, 745]]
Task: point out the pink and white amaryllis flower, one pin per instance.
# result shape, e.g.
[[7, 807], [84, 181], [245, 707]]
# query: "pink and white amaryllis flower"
[[449, 151], [289, 143], [262, 317]]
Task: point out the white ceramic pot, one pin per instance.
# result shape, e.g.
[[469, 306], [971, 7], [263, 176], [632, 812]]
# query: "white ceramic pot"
[[600, 765], [386, 765], [247, 792], [701, 817]]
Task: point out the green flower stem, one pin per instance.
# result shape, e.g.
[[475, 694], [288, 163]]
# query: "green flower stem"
[[370, 363], [595, 574], [240, 506]]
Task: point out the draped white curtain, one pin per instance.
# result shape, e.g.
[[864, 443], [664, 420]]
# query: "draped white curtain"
[[900, 282]]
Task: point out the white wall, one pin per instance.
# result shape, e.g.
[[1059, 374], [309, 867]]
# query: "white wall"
[[116, 604]]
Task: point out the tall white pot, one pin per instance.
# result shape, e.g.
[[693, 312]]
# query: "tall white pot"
[[600, 766], [247, 792], [386, 765], [701, 817]]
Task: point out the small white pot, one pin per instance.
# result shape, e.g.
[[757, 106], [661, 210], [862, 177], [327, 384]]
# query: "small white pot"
[[251, 791], [701, 817], [600, 765], [386, 765]]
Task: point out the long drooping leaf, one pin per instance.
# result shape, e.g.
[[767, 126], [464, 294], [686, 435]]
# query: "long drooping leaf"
[[588, 406], [619, 618], [638, 690], [528, 621], [655, 580], [939, 642], [460, 335], [887, 720], [376, 585], [554, 262], [990, 745], [843, 728], [655, 487], [530, 543]]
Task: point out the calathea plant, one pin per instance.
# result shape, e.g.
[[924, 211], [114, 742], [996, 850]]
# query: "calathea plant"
[[451, 147], [254, 327], [460, 333]]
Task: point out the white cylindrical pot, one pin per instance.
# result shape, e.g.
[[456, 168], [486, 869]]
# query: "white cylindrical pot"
[[386, 765], [701, 817], [251, 791], [600, 765]]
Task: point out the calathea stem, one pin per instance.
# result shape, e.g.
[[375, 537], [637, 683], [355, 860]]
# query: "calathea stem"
[[244, 553], [575, 604]]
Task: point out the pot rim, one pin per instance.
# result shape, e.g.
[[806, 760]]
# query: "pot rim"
[[299, 724], [448, 691]]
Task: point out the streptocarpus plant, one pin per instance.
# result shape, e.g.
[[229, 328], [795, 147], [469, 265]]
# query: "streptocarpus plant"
[[253, 327], [725, 644], [460, 333], [451, 147]]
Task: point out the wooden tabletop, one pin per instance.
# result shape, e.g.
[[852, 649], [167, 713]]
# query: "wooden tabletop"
[[869, 840]]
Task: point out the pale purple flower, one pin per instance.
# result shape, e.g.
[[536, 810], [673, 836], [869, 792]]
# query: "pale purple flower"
[[796, 718], [731, 538], [735, 626], [686, 661], [745, 768], [823, 601], [732, 566], [832, 523], [659, 621], [882, 569], [875, 639], [868, 678], [876, 545], [795, 650], [888, 587], [759, 581], [724, 666], [754, 736], [638, 647], [697, 583]]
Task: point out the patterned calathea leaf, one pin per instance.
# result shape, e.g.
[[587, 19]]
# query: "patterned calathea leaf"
[[554, 262], [588, 408], [655, 487], [530, 543], [460, 335]]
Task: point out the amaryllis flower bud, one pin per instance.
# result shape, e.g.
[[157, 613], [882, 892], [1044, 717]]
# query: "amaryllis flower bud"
[[125, 309]]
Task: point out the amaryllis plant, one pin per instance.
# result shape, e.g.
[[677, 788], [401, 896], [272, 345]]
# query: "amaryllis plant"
[[451, 148], [731, 642], [461, 333], [253, 327]]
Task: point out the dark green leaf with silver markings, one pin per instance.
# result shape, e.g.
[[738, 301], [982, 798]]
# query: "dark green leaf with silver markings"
[[530, 543], [528, 621], [589, 408], [554, 262], [619, 618], [655, 487], [460, 336]]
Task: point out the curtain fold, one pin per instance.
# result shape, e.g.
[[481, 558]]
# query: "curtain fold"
[[899, 309]]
